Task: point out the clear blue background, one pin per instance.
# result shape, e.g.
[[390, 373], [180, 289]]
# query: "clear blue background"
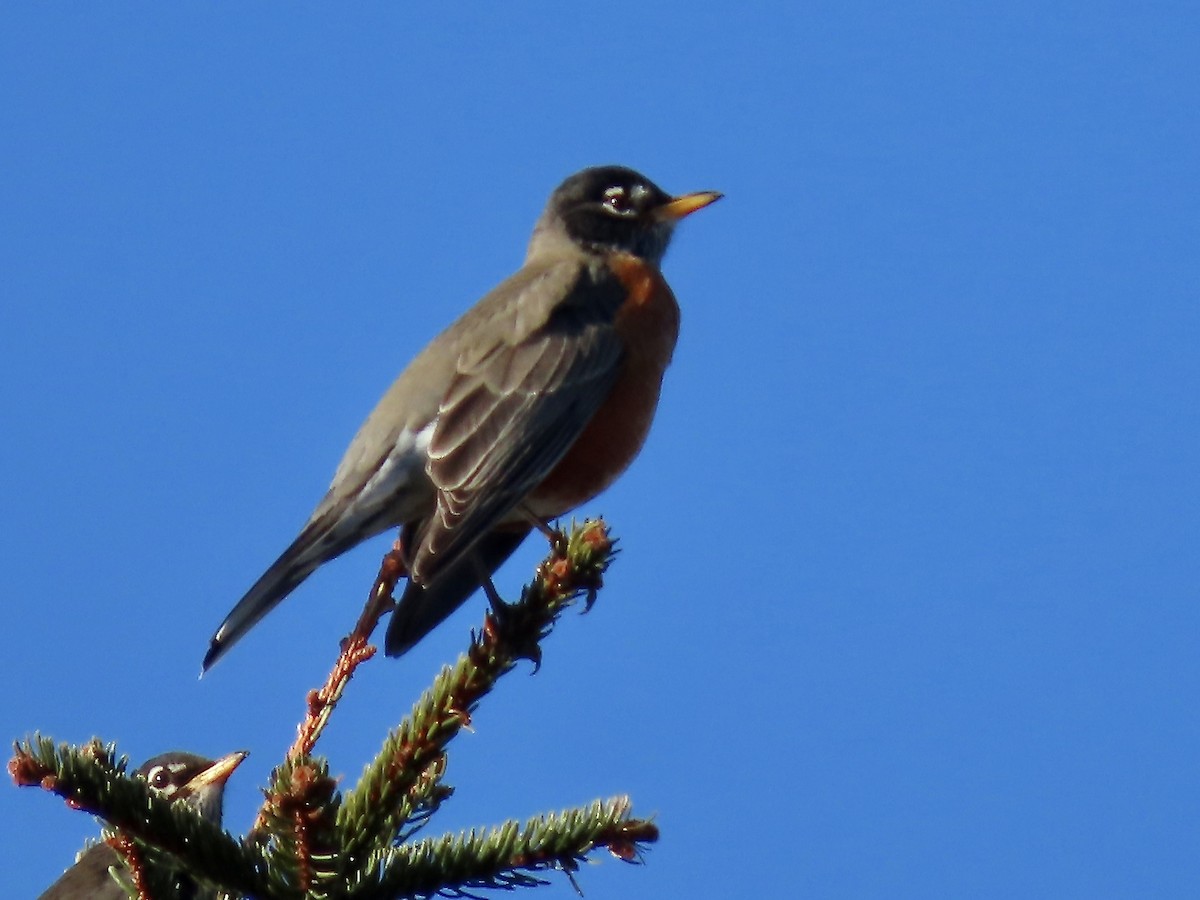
[[907, 605]]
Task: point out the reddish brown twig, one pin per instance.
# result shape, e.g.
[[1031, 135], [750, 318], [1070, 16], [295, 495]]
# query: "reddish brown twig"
[[380, 601], [128, 850], [355, 650]]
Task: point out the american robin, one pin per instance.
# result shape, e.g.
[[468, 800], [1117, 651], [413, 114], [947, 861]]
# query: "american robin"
[[178, 776], [530, 404]]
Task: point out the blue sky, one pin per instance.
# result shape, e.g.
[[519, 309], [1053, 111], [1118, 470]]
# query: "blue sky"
[[907, 602]]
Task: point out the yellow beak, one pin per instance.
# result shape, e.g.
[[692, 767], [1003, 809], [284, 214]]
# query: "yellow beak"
[[217, 773], [686, 204]]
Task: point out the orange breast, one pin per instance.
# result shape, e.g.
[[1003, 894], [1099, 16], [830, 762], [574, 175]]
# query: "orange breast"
[[648, 324]]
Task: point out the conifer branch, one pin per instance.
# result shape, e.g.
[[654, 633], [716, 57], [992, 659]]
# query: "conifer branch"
[[91, 779], [300, 809], [507, 856], [377, 809], [310, 841]]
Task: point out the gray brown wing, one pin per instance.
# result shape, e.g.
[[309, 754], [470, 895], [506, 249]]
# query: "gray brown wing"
[[512, 411]]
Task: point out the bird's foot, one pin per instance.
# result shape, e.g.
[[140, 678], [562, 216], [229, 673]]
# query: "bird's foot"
[[556, 536], [506, 622]]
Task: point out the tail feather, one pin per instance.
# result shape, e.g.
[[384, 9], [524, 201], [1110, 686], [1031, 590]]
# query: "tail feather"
[[423, 607], [317, 544]]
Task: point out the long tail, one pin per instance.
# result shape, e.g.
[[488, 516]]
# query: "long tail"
[[317, 544], [423, 607]]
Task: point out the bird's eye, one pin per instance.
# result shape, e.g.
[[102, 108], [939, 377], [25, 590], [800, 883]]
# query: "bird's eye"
[[616, 200], [158, 778]]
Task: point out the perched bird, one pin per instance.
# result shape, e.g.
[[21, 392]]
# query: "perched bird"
[[178, 776], [530, 404]]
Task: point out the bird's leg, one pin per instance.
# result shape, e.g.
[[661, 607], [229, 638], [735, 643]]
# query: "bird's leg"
[[353, 652], [556, 536], [504, 619], [379, 601], [505, 622], [499, 607], [501, 610]]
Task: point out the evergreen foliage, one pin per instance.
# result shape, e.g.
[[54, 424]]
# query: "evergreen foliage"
[[311, 840]]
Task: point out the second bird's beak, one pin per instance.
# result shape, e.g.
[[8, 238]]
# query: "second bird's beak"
[[686, 204], [217, 773]]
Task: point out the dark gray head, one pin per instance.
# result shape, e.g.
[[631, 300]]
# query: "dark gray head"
[[614, 209], [198, 781]]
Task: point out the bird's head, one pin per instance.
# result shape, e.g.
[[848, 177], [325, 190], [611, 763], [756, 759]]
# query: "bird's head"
[[196, 780], [613, 208]]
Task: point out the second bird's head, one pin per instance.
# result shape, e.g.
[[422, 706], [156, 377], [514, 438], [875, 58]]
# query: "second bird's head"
[[195, 780]]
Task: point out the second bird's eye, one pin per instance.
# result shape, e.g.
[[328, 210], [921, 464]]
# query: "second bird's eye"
[[159, 778]]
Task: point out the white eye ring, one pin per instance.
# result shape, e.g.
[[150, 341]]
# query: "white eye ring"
[[616, 200], [161, 778]]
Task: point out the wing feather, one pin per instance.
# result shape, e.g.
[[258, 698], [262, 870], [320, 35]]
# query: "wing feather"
[[512, 411]]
